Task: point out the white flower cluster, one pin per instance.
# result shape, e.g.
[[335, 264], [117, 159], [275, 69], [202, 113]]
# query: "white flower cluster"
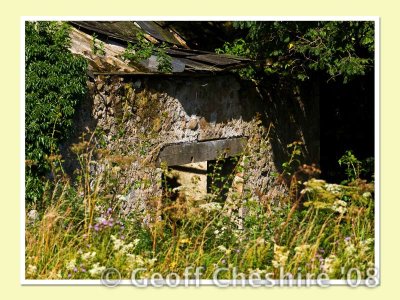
[[210, 207], [138, 260], [281, 255], [222, 248], [96, 270], [135, 260], [88, 256], [358, 249], [33, 216], [339, 206], [320, 185], [219, 232], [71, 265], [31, 270], [312, 185], [333, 188], [367, 195], [120, 246], [302, 250], [329, 264]]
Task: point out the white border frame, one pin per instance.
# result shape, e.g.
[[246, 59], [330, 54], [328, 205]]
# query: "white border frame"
[[192, 283]]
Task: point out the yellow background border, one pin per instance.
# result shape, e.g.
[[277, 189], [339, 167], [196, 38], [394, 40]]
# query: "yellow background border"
[[10, 138]]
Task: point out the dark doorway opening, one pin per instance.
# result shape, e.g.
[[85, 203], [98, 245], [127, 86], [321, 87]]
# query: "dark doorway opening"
[[347, 123], [220, 175]]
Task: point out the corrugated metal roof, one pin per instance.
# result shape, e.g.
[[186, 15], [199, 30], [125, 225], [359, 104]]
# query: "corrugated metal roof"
[[116, 34]]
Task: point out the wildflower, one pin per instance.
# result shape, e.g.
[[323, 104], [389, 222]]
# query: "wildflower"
[[222, 248], [333, 188], [117, 242], [339, 206], [329, 264], [96, 269], [152, 261], [33, 215], [31, 270], [280, 256], [350, 248], [121, 197], [367, 195], [341, 209], [306, 190], [301, 250], [260, 241], [135, 259], [88, 256], [71, 264], [115, 170], [210, 207], [364, 245], [125, 248], [100, 219]]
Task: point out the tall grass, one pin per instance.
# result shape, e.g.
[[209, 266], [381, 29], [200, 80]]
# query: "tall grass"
[[317, 227]]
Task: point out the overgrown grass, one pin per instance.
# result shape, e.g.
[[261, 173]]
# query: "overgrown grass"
[[317, 227]]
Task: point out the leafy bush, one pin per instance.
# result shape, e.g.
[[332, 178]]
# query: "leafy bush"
[[343, 49], [355, 168], [54, 84], [143, 49]]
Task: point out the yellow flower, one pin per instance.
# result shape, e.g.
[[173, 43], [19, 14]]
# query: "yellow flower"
[[184, 241]]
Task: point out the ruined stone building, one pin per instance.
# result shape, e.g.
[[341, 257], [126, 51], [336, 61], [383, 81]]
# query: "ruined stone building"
[[193, 121]]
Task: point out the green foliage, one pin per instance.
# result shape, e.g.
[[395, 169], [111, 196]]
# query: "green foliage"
[[241, 48], [290, 166], [143, 49], [355, 168], [295, 49], [54, 84], [163, 59], [84, 230], [97, 47]]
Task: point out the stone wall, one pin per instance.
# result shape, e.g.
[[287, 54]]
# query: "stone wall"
[[136, 116]]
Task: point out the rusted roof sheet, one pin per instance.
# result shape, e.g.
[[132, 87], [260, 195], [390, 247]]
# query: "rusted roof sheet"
[[184, 52], [183, 60], [156, 31], [192, 65], [121, 30], [215, 59]]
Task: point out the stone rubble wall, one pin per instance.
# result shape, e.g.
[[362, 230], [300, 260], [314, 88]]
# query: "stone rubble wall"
[[136, 116]]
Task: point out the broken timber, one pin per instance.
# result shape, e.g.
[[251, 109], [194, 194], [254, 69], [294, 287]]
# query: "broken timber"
[[180, 154]]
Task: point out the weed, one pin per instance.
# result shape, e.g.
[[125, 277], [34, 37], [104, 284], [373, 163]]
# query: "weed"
[[85, 229]]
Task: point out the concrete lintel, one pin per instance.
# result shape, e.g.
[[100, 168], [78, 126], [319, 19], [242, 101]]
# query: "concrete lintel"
[[185, 153]]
